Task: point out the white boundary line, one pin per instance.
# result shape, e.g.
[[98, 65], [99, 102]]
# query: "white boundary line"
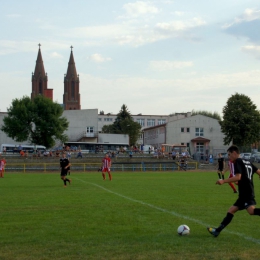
[[257, 241]]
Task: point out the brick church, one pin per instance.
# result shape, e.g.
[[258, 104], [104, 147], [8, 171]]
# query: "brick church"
[[71, 96]]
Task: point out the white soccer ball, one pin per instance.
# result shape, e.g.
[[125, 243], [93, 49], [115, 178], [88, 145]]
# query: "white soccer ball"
[[183, 230]]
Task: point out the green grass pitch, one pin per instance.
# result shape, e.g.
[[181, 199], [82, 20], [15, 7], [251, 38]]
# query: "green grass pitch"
[[134, 216]]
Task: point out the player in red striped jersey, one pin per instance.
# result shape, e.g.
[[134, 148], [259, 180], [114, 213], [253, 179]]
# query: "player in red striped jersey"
[[106, 165], [231, 169]]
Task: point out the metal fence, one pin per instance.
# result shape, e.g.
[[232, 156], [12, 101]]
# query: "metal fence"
[[90, 167]]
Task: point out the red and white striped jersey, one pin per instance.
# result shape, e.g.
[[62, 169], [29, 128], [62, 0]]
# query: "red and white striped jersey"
[[106, 162], [231, 168]]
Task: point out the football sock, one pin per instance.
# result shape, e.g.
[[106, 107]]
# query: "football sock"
[[67, 180], [219, 175], [223, 176], [257, 211], [64, 182], [232, 186], [225, 221]]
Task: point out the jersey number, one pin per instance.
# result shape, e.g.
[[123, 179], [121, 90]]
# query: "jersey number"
[[249, 171]]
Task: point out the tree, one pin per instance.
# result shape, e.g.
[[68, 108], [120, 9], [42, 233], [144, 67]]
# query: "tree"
[[124, 124], [241, 121], [214, 115], [39, 121]]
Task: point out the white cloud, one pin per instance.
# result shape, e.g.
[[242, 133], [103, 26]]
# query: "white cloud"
[[134, 34], [7, 47], [248, 16], [178, 13], [165, 65], [56, 55], [13, 15], [252, 49], [98, 58], [200, 92], [180, 25], [140, 8]]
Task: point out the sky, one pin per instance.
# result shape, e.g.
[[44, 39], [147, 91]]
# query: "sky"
[[157, 57]]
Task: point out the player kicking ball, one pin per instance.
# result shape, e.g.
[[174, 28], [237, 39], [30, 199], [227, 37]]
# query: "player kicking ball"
[[244, 171], [106, 165]]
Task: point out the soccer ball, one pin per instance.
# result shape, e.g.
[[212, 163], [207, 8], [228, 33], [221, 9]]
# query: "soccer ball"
[[183, 230]]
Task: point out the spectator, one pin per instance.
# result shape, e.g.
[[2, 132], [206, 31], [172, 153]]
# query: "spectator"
[[79, 154]]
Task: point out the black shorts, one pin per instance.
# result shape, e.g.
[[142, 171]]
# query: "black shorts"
[[244, 204], [220, 169], [63, 172]]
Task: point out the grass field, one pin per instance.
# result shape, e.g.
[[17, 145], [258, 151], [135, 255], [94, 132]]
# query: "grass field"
[[135, 216]]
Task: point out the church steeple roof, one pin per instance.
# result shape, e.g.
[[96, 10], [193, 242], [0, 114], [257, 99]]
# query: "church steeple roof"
[[71, 71], [39, 67]]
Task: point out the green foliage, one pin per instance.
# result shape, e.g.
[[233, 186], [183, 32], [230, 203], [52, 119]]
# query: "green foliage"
[[39, 121], [241, 121], [133, 217], [124, 124], [214, 115]]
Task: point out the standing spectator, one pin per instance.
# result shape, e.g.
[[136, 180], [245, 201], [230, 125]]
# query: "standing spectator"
[[106, 165], [210, 158], [79, 154], [4, 150], [64, 165]]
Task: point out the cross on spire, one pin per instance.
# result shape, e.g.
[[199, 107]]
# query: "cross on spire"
[[71, 47], [39, 45]]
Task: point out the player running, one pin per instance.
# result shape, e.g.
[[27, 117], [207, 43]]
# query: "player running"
[[231, 169], [106, 165], [64, 166], [244, 171]]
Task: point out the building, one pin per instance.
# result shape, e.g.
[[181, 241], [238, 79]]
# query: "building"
[[71, 96], [40, 79], [200, 134]]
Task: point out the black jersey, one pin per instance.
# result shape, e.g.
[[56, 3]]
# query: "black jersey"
[[245, 184], [63, 163], [220, 163]]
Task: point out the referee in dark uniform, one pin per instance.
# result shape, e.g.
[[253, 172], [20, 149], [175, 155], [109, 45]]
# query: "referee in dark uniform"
[[244, 171], [64, 166]]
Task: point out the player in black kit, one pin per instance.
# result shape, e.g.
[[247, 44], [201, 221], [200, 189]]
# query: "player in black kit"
[[221, 166], [64, 166], [244, 171]]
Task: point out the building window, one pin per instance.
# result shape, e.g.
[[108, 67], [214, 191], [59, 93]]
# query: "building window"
[[200, 147], [90, 131], [182, 129], [188, 145], [108, 119], [150, 122], [100, 119], [182, 143], [199, 131], [40, 87], [161, 121], [72, 90], [140, 121], [188, 129]]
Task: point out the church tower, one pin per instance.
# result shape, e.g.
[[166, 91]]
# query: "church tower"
[[71, 96], [40, 79]]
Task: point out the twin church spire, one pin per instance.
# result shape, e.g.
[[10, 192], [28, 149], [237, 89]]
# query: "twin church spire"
[[71, 96]]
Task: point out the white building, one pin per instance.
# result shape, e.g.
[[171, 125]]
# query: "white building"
[[201, 134]]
